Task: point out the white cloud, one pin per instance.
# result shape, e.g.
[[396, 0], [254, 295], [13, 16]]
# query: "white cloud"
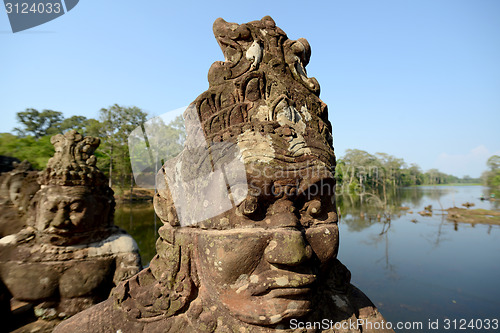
[[472, 163]]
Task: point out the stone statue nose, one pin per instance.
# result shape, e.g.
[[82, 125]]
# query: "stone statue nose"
[[283, 214], [61, 219], [288, 247]]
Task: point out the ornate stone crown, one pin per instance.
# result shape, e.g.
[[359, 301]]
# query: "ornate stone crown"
[[73, 162], [260, 109], [262, 89]]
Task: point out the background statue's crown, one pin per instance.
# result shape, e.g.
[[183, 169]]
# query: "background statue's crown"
[[73, 162]]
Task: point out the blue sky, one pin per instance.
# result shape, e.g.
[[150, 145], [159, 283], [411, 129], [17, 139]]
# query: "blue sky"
[[416, 79]]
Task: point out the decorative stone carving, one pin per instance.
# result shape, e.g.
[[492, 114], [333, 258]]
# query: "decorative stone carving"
[[70, 255], [269, 262]]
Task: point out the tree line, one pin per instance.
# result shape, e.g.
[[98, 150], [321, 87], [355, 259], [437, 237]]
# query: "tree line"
[[360, 173], [31, 139], [491, 177]]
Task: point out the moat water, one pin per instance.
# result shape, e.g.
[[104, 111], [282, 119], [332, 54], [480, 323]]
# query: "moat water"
[[414, 268]]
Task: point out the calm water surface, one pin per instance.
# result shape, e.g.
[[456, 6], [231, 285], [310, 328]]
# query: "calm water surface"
[[414, 268], [417, 268]]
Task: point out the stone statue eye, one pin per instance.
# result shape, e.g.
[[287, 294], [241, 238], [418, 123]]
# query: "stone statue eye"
[[250, 206], [76, 207], [314, 208], [54, 209]]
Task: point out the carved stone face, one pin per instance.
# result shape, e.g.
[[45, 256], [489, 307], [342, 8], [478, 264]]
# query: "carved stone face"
[[16, 183], [264, 268], [65, 210]]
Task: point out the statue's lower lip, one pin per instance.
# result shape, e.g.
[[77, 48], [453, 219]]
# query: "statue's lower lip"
[[282, 280], [59, 231], [287, 292]]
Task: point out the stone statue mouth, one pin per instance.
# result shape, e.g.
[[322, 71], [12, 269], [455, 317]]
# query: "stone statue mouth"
[[67, 232], [287, 292], [72, 233], [285, 286], [57, 230]]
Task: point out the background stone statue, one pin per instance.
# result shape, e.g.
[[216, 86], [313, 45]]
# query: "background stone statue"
[[70, 255], [17, 188], [269, 261]]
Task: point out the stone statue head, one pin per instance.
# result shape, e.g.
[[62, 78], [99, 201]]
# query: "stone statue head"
[[19, 185], [260, 261], [74, 203], [15, 181]]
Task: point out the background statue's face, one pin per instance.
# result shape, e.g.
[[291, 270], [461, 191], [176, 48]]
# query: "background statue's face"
[[16, 184], [64, 210], [264, 268]]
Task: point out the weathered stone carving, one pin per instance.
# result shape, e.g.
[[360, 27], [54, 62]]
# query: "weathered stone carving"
[[17, 188], [70, 254], [269, 262]]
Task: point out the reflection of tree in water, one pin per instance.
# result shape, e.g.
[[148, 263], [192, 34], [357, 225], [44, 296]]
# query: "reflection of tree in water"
[[137, 219], [411, 196], [436, 238], [435, 193], [367, 209], [493, 195], [361, 210], [384, 236]]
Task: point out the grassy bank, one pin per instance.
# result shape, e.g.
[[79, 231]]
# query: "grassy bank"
[[473, 216]]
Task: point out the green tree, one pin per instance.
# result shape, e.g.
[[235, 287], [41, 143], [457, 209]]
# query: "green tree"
[[38, 123], [491, 177], [78, 123], [93, 127], [411, 176], [116, 124], [392, 167], [28, 148], [493, 162], [359, 170], [152, 144]]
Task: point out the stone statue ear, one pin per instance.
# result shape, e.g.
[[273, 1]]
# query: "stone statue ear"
[[166, 287], [164, 207]]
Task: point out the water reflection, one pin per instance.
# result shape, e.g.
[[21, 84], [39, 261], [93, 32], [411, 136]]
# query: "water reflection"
[[140, 221], [360, 212], [417, 267]]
